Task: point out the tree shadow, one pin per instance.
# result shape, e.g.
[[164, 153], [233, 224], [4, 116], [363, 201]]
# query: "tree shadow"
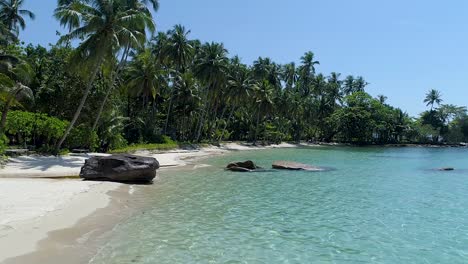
[[44, 163]]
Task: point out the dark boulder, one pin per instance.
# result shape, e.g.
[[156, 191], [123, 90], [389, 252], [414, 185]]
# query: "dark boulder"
[[244, 166], [289, 165], [120, 168]]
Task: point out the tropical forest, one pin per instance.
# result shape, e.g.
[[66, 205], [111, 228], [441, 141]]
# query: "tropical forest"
[[114, 82]]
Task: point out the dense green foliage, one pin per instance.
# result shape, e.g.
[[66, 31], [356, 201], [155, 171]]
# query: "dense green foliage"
[[122, 89], [38, 129]]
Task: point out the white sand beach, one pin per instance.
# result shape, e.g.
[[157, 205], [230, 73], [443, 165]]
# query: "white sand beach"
[[31, 209], [32, 203]]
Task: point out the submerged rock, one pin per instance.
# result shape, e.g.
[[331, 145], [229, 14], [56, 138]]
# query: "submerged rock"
[[446, 169], [243, 166], [120, 168], [289, 165]]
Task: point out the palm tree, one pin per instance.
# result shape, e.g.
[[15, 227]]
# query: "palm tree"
[[433, 97], [187, 101], [382, 98], [141, 7], [264, 102], [266, 69], [289, 75], [145, 77], [116, 68], [360, 84], [348, 85], [335, 88], [307, 72], [159, 44], [106, 26], [210, 68], [240, 85], [308, 63], [352, 85], [11, 15], [6, 36], [13, 89], [178, 49]]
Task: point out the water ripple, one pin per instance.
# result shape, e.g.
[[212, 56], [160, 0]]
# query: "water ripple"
[[366, 211]]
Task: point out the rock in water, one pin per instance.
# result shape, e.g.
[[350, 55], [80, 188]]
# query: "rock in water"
[[244, 166], [289, 165], [447, 169], [120, 168]]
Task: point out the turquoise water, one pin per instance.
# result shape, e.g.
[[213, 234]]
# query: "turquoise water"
[[380, 205]]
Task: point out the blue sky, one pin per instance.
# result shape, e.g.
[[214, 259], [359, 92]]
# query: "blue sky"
[[403, 48]]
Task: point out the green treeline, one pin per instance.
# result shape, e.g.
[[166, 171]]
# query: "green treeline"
[[113, 81]]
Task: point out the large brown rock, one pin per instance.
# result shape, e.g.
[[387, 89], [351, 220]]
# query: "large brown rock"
[[120, 168], [243, 166], [289, 165]]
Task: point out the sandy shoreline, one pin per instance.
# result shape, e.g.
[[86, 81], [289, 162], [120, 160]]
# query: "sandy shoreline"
[[32, 207]]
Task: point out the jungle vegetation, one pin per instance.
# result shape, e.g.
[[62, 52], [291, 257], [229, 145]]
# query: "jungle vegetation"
[[113, 81]]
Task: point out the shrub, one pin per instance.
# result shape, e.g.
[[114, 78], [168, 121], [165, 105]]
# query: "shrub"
[[82, 137], [3, 143], [34, 128], [166, 143]]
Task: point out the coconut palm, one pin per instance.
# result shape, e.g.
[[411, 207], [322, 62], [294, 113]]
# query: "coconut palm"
[[145, 77], [266, 69], [335, 87], [307, 72], [240, 86], [382, 98], [264, 104], [106, 27], [159, 43], [308, 64], [141, 7], [433, 97], [186, 101], [13, 88], [352, 85], [210, 68], [348, 85], [6, 36], [11, 15], [177, 49], [289, 75], [360, 84]]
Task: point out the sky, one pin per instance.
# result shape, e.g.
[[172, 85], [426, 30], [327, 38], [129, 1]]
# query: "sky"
[[402, 48]]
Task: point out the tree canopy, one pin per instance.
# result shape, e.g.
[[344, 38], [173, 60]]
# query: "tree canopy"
[[124, 83]]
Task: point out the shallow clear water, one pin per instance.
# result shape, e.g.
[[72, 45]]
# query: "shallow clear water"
[[380, 205]]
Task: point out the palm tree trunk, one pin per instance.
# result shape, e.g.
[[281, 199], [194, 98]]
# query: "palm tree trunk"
[[111, 86], [201, 123], [101, 108], [216, 124], [128, 106], [80, 106], [202, 117], [4, 114], [169, 109], [256, 126], [225, 125]]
